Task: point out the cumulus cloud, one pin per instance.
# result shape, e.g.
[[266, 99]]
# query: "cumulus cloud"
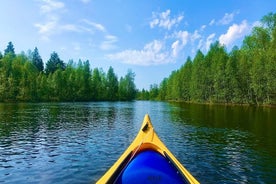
[[234, 32], [164, 20], [153, 53], [156, 52], [182, 39]]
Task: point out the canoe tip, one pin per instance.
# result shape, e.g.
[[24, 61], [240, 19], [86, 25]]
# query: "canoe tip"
[[147, 116]]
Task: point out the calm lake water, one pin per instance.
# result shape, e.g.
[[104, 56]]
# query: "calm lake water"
[[78, 142]]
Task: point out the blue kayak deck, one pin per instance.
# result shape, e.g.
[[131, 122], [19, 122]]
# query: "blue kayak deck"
[[150, 167]]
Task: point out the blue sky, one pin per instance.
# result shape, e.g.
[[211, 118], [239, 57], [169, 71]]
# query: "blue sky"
[[150, 37]]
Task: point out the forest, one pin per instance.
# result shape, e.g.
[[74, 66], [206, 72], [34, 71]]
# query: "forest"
[[23, 78], [245, 75]]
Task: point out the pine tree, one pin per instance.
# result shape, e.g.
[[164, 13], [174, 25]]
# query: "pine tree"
[[37, 61], [9, 50], [54, 63]]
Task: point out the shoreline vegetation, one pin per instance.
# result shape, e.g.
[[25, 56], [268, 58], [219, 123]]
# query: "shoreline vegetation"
[[224, 104], [244, 76], [24, 79]]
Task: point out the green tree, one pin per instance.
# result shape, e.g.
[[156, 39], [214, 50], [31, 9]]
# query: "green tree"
[[269, 23], [6, 71], [127, 89], [43, 90], [83, 75], [54, 63], [37, 61], [173, 86], [97, 85], [28, 86], [271, 70], [260, 45], [143, 95], [71, 80], [112, 85], [153, 92], [197, 78], [58, 85], [185, 80], [163, 89], [9, 50], [216, 60], [231, 82]]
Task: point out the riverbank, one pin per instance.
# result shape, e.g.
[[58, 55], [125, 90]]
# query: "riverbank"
[[224, 104]]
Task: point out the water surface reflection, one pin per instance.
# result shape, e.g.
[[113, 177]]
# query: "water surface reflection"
[[78, 142]]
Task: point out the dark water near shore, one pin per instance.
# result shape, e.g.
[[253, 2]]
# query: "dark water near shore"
[[78, 142]]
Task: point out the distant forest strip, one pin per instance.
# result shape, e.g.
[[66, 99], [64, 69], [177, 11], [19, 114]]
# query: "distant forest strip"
[[24, 79], [246, 75]]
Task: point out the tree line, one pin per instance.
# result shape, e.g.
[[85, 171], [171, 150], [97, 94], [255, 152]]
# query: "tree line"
[[24, 78], [245, 75]]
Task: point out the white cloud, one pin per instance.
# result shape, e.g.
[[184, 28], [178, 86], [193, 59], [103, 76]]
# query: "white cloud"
[[212, 22], [209, 40], [200, 44], [70, 27], [202, 28], [47, 29], [183, 36], [163, 20], [227, 18], [109, 42], [53, 26], [176, 47], [97, 26], [51, 5], [153, 53], [51, 10], [182, 39], [195, 36], [234, 32]]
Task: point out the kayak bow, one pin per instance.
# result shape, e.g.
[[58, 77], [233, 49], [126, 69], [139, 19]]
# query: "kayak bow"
[[147, 160]]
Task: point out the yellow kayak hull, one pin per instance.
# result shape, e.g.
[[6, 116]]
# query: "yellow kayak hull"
[[146, 139]]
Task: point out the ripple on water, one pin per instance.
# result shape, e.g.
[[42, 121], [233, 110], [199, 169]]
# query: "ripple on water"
[[78, 142]]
